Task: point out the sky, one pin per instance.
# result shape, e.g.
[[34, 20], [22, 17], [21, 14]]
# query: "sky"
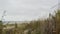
[[21, 10]]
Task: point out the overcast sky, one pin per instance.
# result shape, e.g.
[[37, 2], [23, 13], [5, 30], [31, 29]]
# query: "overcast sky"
[[21, 10]]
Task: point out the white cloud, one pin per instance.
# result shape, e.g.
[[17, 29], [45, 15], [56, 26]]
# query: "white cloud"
[[27, 9]]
